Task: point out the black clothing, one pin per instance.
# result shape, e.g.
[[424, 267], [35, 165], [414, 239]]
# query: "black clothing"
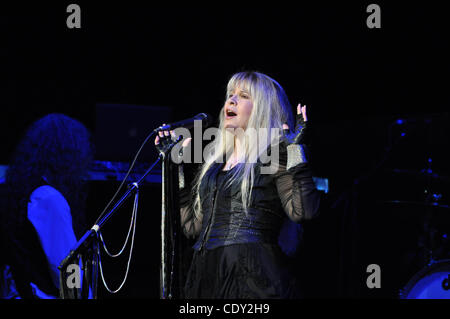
[[233, 244], [245, 271], [29, 263], [24, 254], [229, 224]]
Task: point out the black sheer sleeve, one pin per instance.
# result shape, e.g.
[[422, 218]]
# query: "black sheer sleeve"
[[297, 191]]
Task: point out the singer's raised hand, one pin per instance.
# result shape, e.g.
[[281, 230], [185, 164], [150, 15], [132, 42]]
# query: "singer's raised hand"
[[300, 135], [165, 139], [296, 151]]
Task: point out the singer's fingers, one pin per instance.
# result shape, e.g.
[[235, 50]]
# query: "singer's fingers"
[[304, 113], [164, 132], [285, 129], [173, 136], [302, 110], [187, 141], [156, 140]]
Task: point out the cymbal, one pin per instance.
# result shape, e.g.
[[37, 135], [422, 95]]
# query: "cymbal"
[[416, 203], [423, 174]]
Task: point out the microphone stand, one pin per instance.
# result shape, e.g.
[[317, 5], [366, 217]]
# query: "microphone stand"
[[170, 283], [88, 249]]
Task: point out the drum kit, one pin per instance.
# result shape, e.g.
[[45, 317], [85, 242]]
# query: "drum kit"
[[417, 199], [432, 281]]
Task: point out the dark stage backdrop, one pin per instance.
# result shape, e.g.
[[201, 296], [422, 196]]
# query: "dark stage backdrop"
[[356, 81]]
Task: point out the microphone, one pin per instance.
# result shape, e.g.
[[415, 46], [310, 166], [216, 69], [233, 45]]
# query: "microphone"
[[188, 123]]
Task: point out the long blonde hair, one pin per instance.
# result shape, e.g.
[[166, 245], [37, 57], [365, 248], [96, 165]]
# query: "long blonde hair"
[[271, 109]]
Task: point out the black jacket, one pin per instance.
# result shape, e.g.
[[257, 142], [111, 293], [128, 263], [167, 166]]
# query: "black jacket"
[[223, 221]]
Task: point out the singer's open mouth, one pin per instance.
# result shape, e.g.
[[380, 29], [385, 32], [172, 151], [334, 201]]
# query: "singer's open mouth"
[[230, 113]]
